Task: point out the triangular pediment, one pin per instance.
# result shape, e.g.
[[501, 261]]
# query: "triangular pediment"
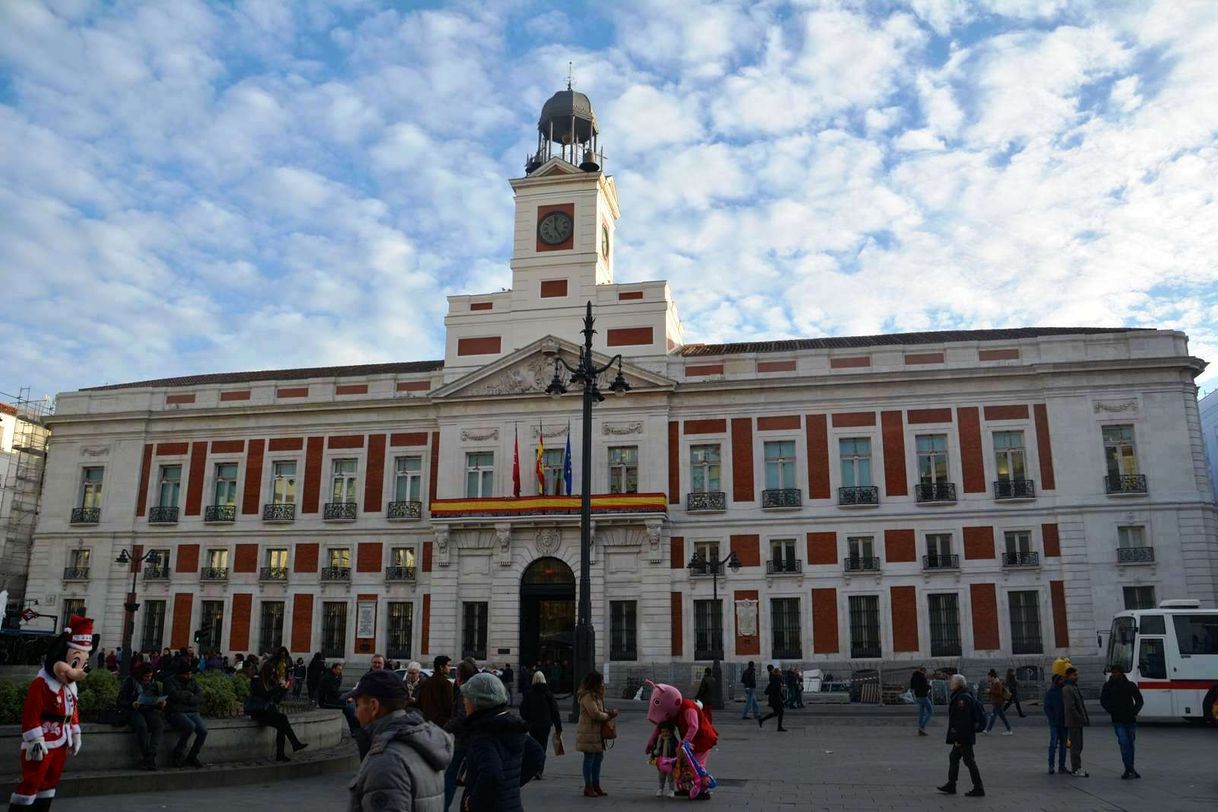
[[529, 370], [555, 166]]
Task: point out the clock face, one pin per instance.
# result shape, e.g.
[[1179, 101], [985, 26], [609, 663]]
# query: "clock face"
[[555, 228], [605, 241]]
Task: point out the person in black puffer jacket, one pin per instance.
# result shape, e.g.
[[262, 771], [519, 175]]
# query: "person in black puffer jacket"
[[500, 756], [540, 711]]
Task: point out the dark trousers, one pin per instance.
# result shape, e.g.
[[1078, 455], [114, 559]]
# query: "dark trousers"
[[1075, 735], [147, 726], [185, 724], [297, 685], [1057, 746], [775, 710], [962, 751], [282, 726], [1014, 699], [450, 776]]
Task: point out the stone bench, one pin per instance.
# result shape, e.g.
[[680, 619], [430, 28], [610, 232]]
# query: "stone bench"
[[228, 740]]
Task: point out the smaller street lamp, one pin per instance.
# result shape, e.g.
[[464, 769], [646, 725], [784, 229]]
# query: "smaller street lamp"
[[152, 557], [698, 562]]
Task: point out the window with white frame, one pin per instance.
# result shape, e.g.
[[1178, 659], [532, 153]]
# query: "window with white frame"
[[270, 627], [401, 559], [343, 480], [1139, 597], [91, 487], [225, 490], [283, 482], [708, 629], [855, 455], [1025, 622], [704, 471], [473, 629], [170, 486], [780, 465], [932, 458], [708, 551], [782, 554], [944, 624], [1120, 455], [552, 467], [277, 560], [624, 469], [407, 479], [1017, 542], [217, 559], [623, 630], [938, 550], [78, 558], [1009, 456], [861, 551], [479, 474], [1131, 537], [339, 558]]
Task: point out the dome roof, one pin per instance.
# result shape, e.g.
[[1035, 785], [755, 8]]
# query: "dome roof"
[[560, 109]]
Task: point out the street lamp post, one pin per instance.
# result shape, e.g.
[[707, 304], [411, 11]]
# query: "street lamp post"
[[584, 374], [131, 606], [698, 562]]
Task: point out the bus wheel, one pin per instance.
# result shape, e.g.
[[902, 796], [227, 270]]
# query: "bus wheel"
[[1211, 706]]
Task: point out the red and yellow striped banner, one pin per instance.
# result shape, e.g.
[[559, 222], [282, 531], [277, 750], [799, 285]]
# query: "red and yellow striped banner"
[[549, 505]]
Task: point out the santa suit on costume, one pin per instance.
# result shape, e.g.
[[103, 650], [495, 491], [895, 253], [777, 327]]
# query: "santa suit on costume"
[[50, 716]]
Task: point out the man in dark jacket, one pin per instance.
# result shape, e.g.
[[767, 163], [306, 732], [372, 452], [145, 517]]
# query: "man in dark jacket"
[[1123, 701], [539, 710], [749, 680], [500, 757], [404, 768], [1055, 714], [140, 703], [330, 695], [1075, 712], [436, 694], [183, 712], [773, 693], [963, 717], [920, 686], [313, 674]]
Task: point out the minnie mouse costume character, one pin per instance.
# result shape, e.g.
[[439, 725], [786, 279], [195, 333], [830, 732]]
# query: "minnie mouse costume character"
[[50, 720], [698, 736]]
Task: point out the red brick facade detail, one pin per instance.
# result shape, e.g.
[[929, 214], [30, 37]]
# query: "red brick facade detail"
[[746, 643], [1052, 543], [1061, 631], [850, 362], [183, 602], [674, 463], [481, 305], [346, 441], [1044, 448], [425, 626], [245, 558], [227, 446], [426, 556], [748, 549], [984, 600], [781, 423], [351, 389], [292, 392], [914, 358], [705, 426], [434, 472], [368, 556], [920, 416], [485, 345], [629, 294], [253, 479], [194, 483], [998, 355], [676, 553], [235, 394], [893, 433], [697, 370], [310, 492], [1015, 412], [978, 542], [742, 459], [306, 556], [775, 366], [302, 622], [970, 450], [822, 548], [824, 621], [674, 623], [180, 399], [850, 420], [374, 478], [239, 629], [553, 288], [628, 336], [569, 243], [904, 600], [414, 386], [286, 444], [141, 500], [408, 439], [188, 558], [172, 449], [816, 432], [900, 545]]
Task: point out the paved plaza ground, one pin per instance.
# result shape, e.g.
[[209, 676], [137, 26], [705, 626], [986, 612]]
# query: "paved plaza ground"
[[857, 758]]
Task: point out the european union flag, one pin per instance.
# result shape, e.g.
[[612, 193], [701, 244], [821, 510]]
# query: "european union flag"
[[566, 464]]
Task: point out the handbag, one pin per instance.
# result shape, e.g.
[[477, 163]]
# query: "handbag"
[[559, 750], [608, 730]]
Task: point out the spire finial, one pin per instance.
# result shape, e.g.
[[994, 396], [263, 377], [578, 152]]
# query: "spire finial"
[[570, 72]]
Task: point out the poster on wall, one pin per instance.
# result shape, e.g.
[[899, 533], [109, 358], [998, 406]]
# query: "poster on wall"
[[365, 619], [746, 618]]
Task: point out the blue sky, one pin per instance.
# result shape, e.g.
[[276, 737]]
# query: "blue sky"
[[190, 187]]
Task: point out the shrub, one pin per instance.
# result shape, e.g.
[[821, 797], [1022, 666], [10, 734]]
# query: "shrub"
[[241, 687], [219, 696], [12, 697], [97, 693]]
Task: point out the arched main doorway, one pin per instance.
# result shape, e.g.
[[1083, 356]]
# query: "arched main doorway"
[[547, 620]]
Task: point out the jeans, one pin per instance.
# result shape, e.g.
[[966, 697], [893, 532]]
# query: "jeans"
[[925, 711], [1075, 735], [1057, 745], [146, 724], [592, 767], [1125, 735], [450, 776], [750, 701], [997, 714], [185, 724], [962, 751]]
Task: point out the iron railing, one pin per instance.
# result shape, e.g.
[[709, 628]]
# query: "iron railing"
[[941, 562], [784, 566], [159, 573], [1014, 489], [705, 501], [84, 515], [399, 573], [213, 574], [1020, 560], [163, 515], [935, 491], [624, 654], [405, 510], [860, 651], [336, 574], [868, 563], [220, 513], [273, 574], [944, 648], [76, 573], [1135, 555], [340, 511], [788, 654], [279, 512], [1125, 483], [858, 495], [782, 498], [705, 568]]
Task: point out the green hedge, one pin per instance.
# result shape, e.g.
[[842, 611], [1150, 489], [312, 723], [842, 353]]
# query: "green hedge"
[[219, 696], [223, 696], [12, 697]]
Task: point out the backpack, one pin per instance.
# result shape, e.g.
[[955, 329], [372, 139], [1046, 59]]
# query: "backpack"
[[979, 717]]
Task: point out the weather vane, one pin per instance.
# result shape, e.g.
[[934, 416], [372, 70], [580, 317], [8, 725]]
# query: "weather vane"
[[570, 73]]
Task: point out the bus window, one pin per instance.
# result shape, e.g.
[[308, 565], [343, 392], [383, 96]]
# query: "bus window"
[[1152, 662], [1152, 624], [1197, 634], [1120, 643]]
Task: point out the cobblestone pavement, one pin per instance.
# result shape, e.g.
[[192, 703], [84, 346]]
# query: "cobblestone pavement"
[[839, 762]]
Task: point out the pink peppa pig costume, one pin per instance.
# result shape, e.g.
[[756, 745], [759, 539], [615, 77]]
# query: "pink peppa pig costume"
[[698, 735]]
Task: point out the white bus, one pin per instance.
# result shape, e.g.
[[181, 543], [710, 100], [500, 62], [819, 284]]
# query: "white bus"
[[1172, 654]]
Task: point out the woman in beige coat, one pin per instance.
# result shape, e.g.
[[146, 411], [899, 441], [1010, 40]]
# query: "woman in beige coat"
[[588, 732]]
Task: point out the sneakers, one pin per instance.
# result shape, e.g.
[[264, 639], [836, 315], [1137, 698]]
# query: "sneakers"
[[975, 792], [660, 792], [948, 789], [1009, 733], [985, 733], [1080, 773]]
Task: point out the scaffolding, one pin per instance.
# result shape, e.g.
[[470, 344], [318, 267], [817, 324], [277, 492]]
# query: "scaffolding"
[[23, 453]]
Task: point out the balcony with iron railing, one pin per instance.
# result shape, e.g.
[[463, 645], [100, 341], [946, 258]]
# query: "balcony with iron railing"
[[76, 573], [1125, 484], [941, 562], [705, 501], [784, 566], [1016, 560], [858, 496], [336, 574], [213, 574], [1006, 489], [279, 512], [163, 514], [868, 563], [220, 514], [1135, 555], [935, 493], [156, 573], [340, 511], [707, 568], [273, 574], [782, 498], [85, 515], [405, 510], [399, 573]]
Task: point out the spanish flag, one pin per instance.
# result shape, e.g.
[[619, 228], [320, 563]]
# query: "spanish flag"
[[541, 452]]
